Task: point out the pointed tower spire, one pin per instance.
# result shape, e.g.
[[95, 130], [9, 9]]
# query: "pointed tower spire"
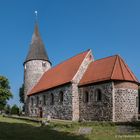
[[37, 49]]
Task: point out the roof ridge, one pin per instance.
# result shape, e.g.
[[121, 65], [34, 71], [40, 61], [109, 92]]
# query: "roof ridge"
[[114, 66], [106, 57], [121, 68], [130, 72], [88, 52], [70, 58]]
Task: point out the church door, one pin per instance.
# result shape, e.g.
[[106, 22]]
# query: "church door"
[[40, 112]]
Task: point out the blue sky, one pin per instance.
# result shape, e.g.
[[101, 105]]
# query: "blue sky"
[[68, 27]]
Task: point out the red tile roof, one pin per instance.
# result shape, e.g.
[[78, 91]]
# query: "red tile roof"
[[110, 68], [60, 74]]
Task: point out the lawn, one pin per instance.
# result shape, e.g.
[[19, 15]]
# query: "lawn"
[[14, 129]]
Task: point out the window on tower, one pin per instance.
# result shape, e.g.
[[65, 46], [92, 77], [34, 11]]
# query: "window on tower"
[[32, 101], [37, 101], [43, 64]]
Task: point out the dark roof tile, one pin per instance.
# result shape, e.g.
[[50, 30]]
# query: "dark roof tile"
[[37, 49]]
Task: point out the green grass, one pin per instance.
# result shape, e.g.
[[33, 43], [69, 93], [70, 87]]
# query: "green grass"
[[14, 129]]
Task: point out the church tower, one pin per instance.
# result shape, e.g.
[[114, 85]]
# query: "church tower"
[[35, 64]]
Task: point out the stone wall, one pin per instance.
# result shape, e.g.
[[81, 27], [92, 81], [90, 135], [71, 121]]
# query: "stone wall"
[[93, 109], [57, 110], [33, 70], [75, 102], [125, 101]]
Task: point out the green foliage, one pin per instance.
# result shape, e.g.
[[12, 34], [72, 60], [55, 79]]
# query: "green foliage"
[[21, 93], [139, 98], [7, 109], [5, 93], [15, 110]]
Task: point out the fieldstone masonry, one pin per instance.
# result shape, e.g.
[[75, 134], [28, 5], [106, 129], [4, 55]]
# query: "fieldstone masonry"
[[33, 70], [119, 102], [125, 101], [94, 110], [57, 110]]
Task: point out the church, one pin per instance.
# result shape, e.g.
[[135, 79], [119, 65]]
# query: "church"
[[79, 88]]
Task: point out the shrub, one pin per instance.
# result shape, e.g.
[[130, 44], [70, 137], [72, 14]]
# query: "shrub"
[[15, 110]]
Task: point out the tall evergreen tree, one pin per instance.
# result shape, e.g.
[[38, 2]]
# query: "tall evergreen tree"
[[21, 93]]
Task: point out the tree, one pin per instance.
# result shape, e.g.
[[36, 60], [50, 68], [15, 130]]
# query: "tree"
[[15, 110], [7, 109], [21, 96], [5, 93], [21, 93], [139, 99]]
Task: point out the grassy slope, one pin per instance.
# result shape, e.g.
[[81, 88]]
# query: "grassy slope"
[[13, 129]]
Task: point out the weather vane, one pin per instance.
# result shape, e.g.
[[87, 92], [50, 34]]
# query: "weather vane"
[[36, 16]]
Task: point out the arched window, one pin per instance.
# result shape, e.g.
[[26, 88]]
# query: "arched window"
[[44, 99], [32, 111], [32, 101], [86, 97], [98, 95], [43, 64], [52, 99], [37, 101], [61, 97]]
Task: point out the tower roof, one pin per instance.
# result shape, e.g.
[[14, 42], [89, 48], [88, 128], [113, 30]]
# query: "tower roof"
[[37, 49]]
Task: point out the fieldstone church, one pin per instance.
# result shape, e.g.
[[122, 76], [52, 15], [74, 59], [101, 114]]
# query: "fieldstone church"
[[79, 88]]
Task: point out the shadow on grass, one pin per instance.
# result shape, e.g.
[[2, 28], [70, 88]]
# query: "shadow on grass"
[[20, 131], [128, 127], [135, 126]]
